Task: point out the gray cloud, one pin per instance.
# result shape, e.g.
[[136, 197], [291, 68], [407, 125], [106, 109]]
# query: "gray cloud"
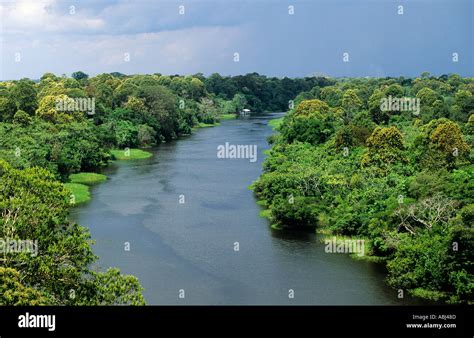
[[270, 41]]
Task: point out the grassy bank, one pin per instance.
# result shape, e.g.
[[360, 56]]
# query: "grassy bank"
[[206, 125], [87, 178], [78, 186], [79, 193], [130, 154], [367, 254], [227, 116]]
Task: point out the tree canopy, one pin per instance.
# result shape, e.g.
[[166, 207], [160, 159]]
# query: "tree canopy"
[[400, 180]]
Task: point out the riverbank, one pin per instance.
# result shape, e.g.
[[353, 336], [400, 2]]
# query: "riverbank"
[[368, 182], [275, 123], [79, 184], [130, 154], [222, 117], [324, 235], [193, 225]]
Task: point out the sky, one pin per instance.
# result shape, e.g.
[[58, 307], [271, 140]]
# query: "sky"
[[337, 38]]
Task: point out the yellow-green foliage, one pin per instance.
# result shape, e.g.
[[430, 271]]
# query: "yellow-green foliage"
[[447, 137], [135, 104], [47, 109], [312, 108], [350, 100], [427, 96], [385, 146], [470, 125], [13, 292], [21, 118], [442, 143], [385, 138]]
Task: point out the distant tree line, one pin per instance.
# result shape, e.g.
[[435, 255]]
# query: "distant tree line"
[[260, 92]]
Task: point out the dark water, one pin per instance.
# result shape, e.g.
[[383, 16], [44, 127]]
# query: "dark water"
[[190, 246]]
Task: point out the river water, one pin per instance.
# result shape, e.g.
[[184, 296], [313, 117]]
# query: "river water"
[[189, 249]]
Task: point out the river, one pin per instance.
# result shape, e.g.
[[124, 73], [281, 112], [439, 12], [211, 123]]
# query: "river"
[[186, 253]]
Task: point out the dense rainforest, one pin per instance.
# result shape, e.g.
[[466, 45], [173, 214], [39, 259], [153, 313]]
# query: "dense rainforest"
[[341, 162], [59, 127], [355, 160]]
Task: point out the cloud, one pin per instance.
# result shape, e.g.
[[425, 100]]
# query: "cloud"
[[95, 36], [118, 17], [32, 17], [189, 50]]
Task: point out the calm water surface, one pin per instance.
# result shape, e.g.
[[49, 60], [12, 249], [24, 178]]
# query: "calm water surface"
[[190, 246]]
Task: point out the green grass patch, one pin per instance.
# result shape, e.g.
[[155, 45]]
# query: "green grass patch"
[[275, 123], [207, 125], [79, 193], [130, 154], [227, 116], [87, 178]]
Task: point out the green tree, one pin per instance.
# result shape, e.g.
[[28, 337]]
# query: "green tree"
[[351, 104], [332, 95], [441, 144], [312, 108], [427, 97], [24, 93], [465, 101], [196, 88], [394, 90], [58, 109], [35, 207], [7, 106], [375, 102], [311, 121], [21, 117], [13, 292], [385, 147], [145, 135], [239, 101], [447, 139], [161, 103], [79, 75]]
